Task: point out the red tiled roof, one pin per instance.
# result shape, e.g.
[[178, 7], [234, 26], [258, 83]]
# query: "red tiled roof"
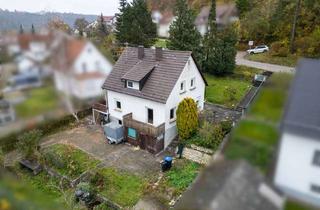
[[25, 39]]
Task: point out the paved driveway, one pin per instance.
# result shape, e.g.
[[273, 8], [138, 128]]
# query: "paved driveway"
[[240, 60], [91, 140]]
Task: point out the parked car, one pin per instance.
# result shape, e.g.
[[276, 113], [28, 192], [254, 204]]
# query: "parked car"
[[258, 49]]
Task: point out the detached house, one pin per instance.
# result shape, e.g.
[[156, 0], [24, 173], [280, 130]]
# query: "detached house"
[[79, 68], [144, 90], [298, 165]]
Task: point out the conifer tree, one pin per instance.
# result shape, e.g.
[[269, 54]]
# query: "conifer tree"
[[187, 118], [21, 31], [33, 31], [135, 25], [183, 33]]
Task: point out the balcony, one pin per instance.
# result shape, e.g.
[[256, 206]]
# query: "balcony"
[[145, 128], [100, 107]]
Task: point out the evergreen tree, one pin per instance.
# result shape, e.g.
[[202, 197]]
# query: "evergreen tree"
[[80, 24], [219, 46], [187, 118], [120, 35], [210, 39], [21, 31], [243, 6], [33, 31], [102, 30], [183, 33], [135, 25]]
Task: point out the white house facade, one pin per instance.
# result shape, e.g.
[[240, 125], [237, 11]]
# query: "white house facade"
[[167, 77], [83, 72], [298, 165]]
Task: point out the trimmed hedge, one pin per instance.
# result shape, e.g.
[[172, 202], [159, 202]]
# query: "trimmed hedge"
[[8, 143]]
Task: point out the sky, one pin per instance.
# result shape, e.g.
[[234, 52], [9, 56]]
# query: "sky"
[[94, 7]]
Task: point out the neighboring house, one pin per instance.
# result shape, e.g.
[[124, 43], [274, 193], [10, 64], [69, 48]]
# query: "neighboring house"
[[163, 22], [79, 68], [109, 20], [7, 113], [230, 185], [298, 165], [225, 14], [35, 46], [144, 90]]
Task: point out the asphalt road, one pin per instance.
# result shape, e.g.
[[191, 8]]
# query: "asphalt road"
[[240, 60]]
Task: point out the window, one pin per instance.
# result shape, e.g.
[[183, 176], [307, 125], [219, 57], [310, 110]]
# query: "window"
[[132, 133], [98, 65], [84, 67], [150, 116], [172, 113], [316, 158], [182, 87], [120, 122], [130, 84], [118, 104], [315, 188], [192, 83]]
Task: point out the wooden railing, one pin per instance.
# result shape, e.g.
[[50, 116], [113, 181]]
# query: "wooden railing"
[[100, 107], [146, 128]]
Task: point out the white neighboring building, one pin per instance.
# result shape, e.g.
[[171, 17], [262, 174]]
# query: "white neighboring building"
[[298, 166], [79, 68], [144, 90], [163, 22]]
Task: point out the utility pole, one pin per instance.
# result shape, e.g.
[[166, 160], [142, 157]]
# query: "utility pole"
[[294, 25]]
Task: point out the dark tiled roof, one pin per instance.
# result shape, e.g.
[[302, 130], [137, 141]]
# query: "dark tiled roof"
[[303, 108], [139, 71], [227, 185], [161, 81]]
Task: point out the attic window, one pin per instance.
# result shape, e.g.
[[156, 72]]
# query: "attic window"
[[130, 84], [315, 188]]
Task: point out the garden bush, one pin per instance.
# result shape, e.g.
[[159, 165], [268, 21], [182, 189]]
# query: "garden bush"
[[280, 48]]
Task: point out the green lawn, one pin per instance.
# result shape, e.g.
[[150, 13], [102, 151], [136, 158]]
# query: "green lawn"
[[269, 105], [293, 205], [253, 141], [239, 82], [161, 43], [69, 160], [290, 60], [270, 102], [256, 131], [40, 100], [122, 188], [255, 138], [181, 175], [30, 192]]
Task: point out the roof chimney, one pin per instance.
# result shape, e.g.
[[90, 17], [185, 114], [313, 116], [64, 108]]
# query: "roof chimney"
[[158, 53], [140, 52]]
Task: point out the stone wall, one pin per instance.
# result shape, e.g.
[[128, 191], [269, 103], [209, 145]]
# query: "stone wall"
[[198, 154]]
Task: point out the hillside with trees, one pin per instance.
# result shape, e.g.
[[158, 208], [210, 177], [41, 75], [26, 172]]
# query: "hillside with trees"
[[12, 20]]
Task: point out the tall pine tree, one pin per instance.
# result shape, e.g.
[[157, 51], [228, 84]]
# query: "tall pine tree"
[[135, 24], [219, 46], [183, 33], [120, 27], [33, 31], [21, 31], [210, 39]]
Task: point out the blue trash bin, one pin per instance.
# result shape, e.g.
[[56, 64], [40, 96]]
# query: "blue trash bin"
[[166, 163]]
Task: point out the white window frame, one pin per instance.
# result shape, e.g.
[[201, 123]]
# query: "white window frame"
[[174, 115], [131, 87], [116, 103], [184, 87], [193, 82]]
